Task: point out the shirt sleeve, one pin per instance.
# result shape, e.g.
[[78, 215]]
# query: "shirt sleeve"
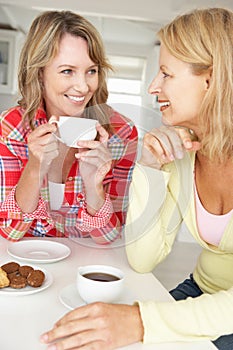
[[208, 316], [108, 223], [14, 224]]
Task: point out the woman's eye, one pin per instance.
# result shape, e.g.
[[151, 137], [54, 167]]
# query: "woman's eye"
[[67, 71], [165, 75], [93, 71]]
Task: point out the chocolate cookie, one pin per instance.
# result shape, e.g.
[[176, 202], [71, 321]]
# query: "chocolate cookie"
[[18, 282], [25, 270], [10, 267], [35, 278], [13, 274]]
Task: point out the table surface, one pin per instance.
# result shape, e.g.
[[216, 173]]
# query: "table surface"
[[24, 318]]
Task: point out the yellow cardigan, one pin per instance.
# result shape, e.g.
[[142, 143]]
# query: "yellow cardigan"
[[160, 201]]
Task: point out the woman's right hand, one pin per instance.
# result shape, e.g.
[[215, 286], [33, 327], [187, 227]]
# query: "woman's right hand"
[[165, 144], [43, 147]]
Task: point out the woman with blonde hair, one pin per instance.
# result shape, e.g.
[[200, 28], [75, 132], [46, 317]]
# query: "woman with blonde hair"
[[62, 72], [181, 177]]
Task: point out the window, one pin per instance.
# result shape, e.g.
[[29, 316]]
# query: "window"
[[124, 84], [124, 91]]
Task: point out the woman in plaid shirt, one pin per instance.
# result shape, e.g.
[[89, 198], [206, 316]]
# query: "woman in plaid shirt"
[[62, 72]]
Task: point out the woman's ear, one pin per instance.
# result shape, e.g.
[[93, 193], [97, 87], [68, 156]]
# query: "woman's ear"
[[40, 77], [208, 78]]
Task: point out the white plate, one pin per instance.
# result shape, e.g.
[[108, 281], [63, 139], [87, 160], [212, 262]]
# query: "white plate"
[[38, 251], [70, 297], [28, 289]]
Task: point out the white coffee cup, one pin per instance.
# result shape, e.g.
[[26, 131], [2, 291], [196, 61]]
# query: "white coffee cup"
[[92, 285], [74, 129]]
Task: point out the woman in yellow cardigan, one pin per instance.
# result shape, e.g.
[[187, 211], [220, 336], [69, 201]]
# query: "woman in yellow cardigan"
[[178, 180]]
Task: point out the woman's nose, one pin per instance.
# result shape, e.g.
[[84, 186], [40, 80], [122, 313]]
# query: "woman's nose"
[[81, 84], [154, 87]]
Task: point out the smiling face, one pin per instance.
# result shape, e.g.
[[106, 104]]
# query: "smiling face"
[[180, 92], [70, 79]]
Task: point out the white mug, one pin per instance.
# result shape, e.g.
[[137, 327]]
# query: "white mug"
[[93, 286], [74, 129]]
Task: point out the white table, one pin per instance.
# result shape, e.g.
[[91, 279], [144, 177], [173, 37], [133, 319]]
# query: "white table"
[[24, 318]]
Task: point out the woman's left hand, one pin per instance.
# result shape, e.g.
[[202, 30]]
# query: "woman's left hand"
[[94, 164], [97, 326]]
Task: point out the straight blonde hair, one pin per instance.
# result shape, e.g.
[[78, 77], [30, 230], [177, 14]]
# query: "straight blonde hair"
[[204, 39]]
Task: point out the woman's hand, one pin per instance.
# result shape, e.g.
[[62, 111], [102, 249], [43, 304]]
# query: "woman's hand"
[[43, 147], [164, 144], [94, 164], [97, 326]]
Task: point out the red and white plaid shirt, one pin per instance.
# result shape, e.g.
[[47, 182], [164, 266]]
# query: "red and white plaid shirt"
[[72, 219]]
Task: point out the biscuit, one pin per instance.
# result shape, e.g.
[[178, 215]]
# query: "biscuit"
[[12, 275], [10, 267], [35, 278], [18, 282], [25, 270], [4, 280]]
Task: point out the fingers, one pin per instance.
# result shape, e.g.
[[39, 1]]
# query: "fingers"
[[189, 138], [78, 313], [168, 143], [53, 120], [93, 150], [85, 340], [94, 144], [78, 327], [43, 146], [102, 132], [164, 144]]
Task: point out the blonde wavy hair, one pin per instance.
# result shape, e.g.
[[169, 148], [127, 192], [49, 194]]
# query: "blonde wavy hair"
[[41, 46], [204, 39]]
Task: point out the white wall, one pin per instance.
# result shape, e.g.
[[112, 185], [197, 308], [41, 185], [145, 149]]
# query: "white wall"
[[7, 101]]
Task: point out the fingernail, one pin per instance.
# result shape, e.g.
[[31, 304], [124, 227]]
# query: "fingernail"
[[171, 157], [80, 143], [188, 144], [44, 338], [53, 120], [52, 347]]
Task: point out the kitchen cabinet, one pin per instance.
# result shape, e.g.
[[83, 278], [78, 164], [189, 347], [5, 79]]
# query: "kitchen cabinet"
[[10, 46]]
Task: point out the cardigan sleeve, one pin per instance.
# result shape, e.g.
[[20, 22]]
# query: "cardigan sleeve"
[[150, 235], [206, 317], [148, 238]]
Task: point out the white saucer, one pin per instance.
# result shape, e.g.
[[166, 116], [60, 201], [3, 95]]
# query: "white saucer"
[[8, 291], [70, 297], [38, 251]]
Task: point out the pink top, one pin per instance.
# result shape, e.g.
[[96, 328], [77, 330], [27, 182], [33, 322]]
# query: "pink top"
[[211, 227]]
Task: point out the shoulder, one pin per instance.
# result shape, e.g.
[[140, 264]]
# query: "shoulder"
[[11, 121], [12, 124]]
